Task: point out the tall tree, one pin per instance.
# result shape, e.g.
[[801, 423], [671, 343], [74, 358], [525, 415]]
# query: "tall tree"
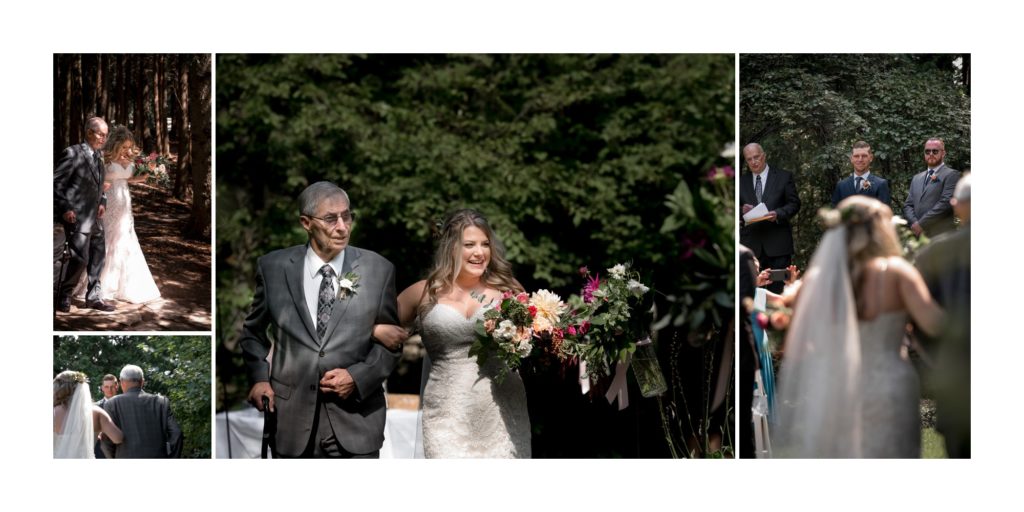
[[184, 133], [76, 115], [139, 110], [199, 109]]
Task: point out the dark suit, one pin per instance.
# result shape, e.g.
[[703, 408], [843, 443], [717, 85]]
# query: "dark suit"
[[928, 200], [771, 242], [879, 189], [300, 358], [945, 265], [78, 187], [150, 431]]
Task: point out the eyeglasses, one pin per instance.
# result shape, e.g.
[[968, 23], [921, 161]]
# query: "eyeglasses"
[[332, 219], [932, 151]]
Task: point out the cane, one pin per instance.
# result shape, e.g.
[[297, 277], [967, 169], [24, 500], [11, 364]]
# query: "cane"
[[269, 430], [65, 256]]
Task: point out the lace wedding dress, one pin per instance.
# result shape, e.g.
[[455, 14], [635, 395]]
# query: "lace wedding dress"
[[466, 413], [125, 275], [845, 391], [890, 415]]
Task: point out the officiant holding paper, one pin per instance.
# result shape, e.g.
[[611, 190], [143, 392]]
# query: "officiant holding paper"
[[768, 201]]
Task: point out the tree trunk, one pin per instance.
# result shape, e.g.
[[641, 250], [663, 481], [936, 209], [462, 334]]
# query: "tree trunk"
[[103, 82], [199, 109], [59, 116], [122, 89], [139, 112], [184, 136], [158, 108], [77, 119]]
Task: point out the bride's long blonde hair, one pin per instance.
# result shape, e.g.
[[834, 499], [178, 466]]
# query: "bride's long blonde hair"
[[119, 138], [870, 233], [448, 260]]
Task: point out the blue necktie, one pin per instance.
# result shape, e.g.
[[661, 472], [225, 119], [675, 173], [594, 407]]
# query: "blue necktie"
[[857, 186], [325, 302]]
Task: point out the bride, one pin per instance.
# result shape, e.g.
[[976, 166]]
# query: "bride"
[[125, 275], [76, 419], [466, 413], [846, 388]]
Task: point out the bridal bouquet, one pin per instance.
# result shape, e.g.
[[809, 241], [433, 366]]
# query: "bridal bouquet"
[[509, 330], [156, 166], [612, 332]]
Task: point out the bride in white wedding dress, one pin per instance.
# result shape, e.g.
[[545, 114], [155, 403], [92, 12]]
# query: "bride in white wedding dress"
[[76, 420], [466, 412], [846, 386], [125, 276]]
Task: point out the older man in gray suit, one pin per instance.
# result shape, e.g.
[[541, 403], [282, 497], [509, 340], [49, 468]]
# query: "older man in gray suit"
[[927, 207], [324, 379], [150, 431]]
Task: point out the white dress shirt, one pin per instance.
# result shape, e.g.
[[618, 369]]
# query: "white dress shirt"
[[311, 277], [764, 180]]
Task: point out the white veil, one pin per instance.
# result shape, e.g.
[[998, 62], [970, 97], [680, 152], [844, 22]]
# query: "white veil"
[[819, 382], [77, 439]]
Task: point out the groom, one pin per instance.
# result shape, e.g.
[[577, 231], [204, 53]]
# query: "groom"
[[78, 203], [322, 300], [862, 181]]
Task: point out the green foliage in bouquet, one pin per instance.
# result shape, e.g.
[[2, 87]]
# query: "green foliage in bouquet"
[[505, 333], [610, 316]]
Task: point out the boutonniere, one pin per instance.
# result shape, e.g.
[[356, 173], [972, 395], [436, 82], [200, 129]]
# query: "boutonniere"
[[347, 285], [934, 176], [865, 184]]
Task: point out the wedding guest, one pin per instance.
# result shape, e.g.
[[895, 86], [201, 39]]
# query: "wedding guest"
[[945, 265], [108, 387], [927, 207], [771, 240], [150, 430], [862, 181], [748, 356]]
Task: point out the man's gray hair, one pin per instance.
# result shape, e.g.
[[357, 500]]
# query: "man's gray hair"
[[962, 192], [316, 193], [93, 123], [131, 373]]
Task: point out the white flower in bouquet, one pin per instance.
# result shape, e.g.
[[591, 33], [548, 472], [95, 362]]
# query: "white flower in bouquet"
[[506, 330], [618, 271], [636, 287], [549, 308], [524, 346]]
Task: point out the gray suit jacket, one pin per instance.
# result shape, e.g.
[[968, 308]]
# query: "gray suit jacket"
[[78, 187], [300, 359], [150, 431], [928, 203]]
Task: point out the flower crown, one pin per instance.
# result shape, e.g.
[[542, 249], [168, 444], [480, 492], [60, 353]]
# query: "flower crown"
[[848, 215]]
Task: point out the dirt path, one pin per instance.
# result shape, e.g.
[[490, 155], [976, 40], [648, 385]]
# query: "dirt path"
[[181, 268]]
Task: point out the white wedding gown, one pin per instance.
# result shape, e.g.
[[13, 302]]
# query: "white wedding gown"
[[845, 390], [466, 413], [890, 414], [76, 439], [125, 275]]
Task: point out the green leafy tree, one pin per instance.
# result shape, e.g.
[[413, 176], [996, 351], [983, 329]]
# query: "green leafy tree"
[[808, 110]]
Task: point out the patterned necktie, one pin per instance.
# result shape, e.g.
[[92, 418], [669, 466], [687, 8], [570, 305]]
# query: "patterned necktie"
[[757, 188], [325, 302], [857, 185]]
